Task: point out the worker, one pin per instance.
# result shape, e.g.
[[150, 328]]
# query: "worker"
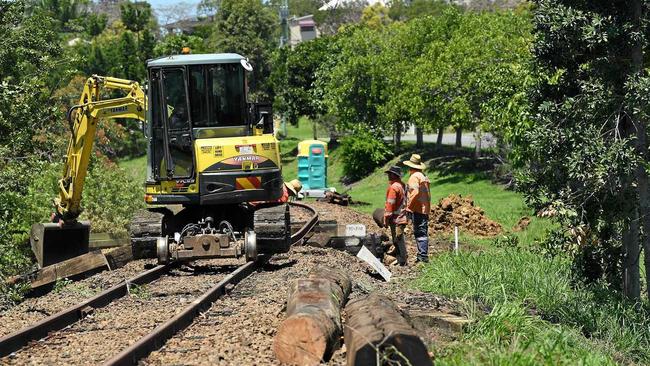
[[419, 205], [290, 191], [395, 214]]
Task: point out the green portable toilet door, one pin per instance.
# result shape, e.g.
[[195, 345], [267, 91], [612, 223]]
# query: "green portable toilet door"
[[317, 167]]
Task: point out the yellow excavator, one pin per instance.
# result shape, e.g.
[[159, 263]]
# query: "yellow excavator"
[[209, 152]]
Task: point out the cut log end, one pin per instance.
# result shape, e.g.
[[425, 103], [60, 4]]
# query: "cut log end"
[[300, 340]]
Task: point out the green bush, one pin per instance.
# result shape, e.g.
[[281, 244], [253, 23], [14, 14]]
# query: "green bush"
[[27, 188], [111, 196], [362, 153]]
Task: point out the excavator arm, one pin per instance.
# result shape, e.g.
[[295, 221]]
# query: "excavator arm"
[[65, 237], [83, 119]]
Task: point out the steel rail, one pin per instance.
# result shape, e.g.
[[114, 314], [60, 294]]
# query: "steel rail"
[[160, 334], [308, 227], [16, 340], [163, 332]]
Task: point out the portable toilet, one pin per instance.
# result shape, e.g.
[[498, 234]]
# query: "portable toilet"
[[312, 164]]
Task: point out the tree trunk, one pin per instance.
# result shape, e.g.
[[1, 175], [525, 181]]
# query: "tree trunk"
[[631, 252], [459, 137], [376, 333], [419, 134], [641, 146], [478, 143], [397, 140], [441, 133], [314, 129], [311, 331]]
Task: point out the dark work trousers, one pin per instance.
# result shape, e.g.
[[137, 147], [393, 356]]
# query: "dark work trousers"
[[421, 232], [397, 232]]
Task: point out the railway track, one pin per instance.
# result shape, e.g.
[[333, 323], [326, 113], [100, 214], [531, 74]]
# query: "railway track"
[[63, 327]]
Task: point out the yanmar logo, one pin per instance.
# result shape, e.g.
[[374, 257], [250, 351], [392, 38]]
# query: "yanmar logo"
[[119, 109], [242, 158]]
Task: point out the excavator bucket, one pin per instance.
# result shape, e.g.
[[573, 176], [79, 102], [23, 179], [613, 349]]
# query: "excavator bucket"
[[53, 243]]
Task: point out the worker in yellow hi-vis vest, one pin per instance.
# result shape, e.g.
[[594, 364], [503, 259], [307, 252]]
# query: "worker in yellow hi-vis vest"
[[419, 205]]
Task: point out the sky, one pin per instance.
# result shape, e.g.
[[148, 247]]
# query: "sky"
[[158, 4]]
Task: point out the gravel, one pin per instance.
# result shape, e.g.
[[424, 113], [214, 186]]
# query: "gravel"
[[31, 310], [111, 329], [238, 329]]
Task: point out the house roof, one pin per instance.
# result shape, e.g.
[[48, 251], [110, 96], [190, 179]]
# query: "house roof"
[[198, 59]]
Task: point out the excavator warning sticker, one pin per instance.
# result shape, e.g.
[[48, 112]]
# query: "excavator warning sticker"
[[248, 183]]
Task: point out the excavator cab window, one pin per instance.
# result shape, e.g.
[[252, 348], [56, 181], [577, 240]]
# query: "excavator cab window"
[[171, 137], [157, 129], [217, 95]]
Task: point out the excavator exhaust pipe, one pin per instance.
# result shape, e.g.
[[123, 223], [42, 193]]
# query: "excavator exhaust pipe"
[[53, 243]]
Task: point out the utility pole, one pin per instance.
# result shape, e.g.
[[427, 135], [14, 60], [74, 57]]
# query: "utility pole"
[[284, 25], [284, 39]]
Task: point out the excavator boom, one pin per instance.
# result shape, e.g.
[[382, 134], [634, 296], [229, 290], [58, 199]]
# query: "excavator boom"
[[65, 237]]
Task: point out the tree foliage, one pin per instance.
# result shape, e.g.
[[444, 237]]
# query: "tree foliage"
[[136, 16], [294, 78], [579, 154], [248, 27], [454, 69]]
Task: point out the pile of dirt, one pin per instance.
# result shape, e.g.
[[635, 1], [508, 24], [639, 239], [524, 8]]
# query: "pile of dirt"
[[456, 210], [522, 224]]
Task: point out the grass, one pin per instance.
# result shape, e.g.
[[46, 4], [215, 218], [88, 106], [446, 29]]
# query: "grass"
[[135, 168], [509, 336], [535, 290]]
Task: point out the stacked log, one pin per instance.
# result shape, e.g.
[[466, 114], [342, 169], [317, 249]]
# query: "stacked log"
[[312, 329], [377, 333]]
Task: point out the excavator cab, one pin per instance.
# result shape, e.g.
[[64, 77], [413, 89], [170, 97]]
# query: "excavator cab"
[[207, 144]]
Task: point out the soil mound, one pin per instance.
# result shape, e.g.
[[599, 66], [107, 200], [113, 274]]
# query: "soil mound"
[[522, 224], [456, 210]]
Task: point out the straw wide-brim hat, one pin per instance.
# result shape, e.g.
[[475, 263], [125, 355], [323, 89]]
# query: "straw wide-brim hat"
[[415, 162], [294, 186]]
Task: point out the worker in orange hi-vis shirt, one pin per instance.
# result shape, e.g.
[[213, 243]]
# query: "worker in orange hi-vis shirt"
[[419, 205], [395, 214]]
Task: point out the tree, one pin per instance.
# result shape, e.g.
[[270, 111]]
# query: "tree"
[[176, 12], [30, 52], [586, 151], [375, 16], [64, 11], [353, 81], [330, 21], [294, 77], [249, 28], [173, 44], [405, 10], [95, 24], [135, 15]]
